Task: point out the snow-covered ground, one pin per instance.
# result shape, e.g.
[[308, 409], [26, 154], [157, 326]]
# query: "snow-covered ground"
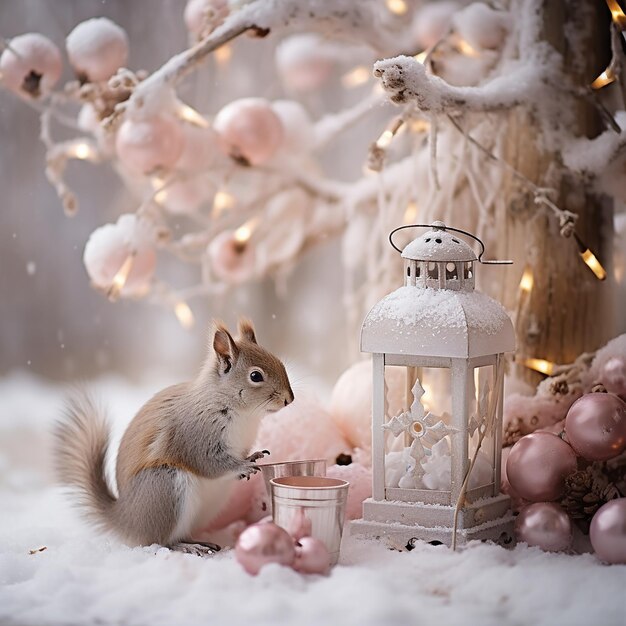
[[84, 578]]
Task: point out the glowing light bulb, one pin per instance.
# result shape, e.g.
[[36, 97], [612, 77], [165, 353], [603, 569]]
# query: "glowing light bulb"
[[184, 315], [358, 76], [223, 54], [465, 49], [606, 78], [397, 7], [617, 14], [593, 264], [410, 214], [590, 260], [120, 278], [539, 365], [244, 232], [421, 57], [222, 201], [419, 126], [83, 151], [384, 141], [527, 280], [189, 114]]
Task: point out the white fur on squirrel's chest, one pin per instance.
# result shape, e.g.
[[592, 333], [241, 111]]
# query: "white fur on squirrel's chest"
[[241, 432]]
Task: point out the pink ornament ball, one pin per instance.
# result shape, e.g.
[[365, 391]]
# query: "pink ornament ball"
[[203, 16], [545, 525], [538, 465], [109, 246], [312, 556], [201, 149], [250, 131], [30, 65], [613, 376], [231, 261], [262, 544], [304, 62], [481, 26], [608, 532], [146, 145], [596, 426], [97, 48], [433, 21]]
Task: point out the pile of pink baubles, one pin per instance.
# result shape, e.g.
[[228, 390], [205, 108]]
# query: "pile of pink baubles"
[[539, 463], [265, 543]]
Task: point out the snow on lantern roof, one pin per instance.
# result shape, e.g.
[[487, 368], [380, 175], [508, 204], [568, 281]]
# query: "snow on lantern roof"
[[437, 322], [438, 244]]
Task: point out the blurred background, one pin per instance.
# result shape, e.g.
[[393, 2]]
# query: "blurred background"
[[52, 323]]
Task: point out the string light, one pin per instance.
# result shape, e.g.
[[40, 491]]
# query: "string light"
[[590, 259], [527, 280], [189, 114], [222, 201], [355, 77], [421, 57], [465, 49], [244, 232], [120, 278], [83, 151], [539, 365], [419, 126], [410, 214], [385, 139], [397, 7], [160, 194], [184, 315], [223, 54], [606, 78], [617, 14]]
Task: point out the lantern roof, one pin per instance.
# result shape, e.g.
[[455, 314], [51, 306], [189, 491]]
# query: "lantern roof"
[[439, 245], [437, 322]]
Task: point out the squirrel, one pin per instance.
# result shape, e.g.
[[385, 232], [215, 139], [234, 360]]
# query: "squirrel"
[[182, 451]]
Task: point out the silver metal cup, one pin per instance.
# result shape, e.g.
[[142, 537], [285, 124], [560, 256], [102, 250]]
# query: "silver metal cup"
[[312, 467], [311, 505]]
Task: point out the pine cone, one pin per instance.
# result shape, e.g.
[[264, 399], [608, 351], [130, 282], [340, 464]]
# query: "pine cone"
[[512, 432], [586, 491]]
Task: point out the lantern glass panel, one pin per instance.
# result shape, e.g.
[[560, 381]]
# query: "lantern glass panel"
[[417, 437]]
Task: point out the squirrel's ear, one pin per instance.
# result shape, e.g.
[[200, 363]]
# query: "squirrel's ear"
[[246, 330], [226, 350]]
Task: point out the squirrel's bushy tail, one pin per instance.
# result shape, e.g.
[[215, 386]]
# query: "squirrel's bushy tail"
[[82, 441]]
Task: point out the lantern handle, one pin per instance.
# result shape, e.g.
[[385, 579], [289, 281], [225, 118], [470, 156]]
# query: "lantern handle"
[[456, 230]]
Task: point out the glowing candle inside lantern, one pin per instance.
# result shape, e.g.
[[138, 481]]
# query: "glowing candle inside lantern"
[[526, 283], [189, 114], [397, 7], [539, 365], [120, 278], [358, 76], [184, 315]]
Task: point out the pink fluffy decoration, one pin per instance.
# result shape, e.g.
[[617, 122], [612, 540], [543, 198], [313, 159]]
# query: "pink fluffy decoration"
[[351, 403], [360, 479], [302, 430], [535, 412]]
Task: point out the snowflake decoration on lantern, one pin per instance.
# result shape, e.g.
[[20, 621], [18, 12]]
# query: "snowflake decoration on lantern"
[[425, 429]]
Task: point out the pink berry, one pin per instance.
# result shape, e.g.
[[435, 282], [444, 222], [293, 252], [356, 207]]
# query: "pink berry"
[[250, 130], [30, 65], [97, 48], [145, 145]]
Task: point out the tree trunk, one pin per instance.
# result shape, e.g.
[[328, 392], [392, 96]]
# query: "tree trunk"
[[568, 310]]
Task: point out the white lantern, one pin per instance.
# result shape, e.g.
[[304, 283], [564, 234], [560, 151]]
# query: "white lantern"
[[436, 465]]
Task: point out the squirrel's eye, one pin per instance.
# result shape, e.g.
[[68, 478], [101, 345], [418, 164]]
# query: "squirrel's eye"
[[256, 376]]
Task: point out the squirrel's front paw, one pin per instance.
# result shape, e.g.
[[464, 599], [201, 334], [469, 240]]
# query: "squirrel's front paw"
[[255, 456], [248, 469]]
